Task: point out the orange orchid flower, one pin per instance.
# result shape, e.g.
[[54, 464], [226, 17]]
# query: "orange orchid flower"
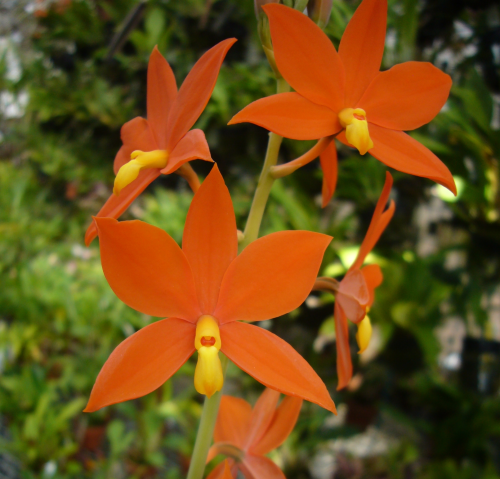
[[344, 95], [245, 435], [164, 142], [204, 290], [355, 294]]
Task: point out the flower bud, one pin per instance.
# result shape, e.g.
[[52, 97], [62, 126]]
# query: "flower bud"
[[319, 11]]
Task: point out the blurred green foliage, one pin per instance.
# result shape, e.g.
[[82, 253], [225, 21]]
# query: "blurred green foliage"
[[66, 89]]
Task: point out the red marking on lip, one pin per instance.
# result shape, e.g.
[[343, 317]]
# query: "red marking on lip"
[[207, 342]]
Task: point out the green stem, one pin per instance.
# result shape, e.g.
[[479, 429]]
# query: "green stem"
[[265, 183], [205, 430]]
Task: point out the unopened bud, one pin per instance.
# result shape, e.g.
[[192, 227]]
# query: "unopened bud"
[[319, 11]]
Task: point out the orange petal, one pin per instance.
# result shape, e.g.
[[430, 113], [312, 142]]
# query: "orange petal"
[[273, 362], [146, 269], [143, 362], [403, 153], [262, 415], [116, 205], [373, 277], [406, 97], [162, 90], [353, 295], [219, 471], [378, 223], [195, 92], [260, 467], [136, 134], [329, 165], [281, 426], [227, 471], [192, 146], [271, 277], [290, 115], [344, 362], [233, 421], [306, 57], [210, 239], [362, 47]]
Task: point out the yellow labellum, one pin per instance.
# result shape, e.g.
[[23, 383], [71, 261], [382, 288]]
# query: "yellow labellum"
[[356, 128], [139, 160], [364, 334], [208, 377]]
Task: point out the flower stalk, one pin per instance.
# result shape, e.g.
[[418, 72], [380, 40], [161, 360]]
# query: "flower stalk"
[[206, 430]]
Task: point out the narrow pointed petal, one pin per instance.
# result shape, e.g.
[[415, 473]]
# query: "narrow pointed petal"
[[210, 239], [344, 362], [192, 146], [219, 471], [329, 165], [143, 362], [115, 206], [260, 467], [378, 223], [271, 277], [373, 277], [146, 269], [136, 134], [281, 426], [195, 92], [273, 362], [227, 471], [306, 57], [290, 115], [262, 415], [403, 153], [353, 295], [407, 96], [362, 47], [162, 90], [233, 421]]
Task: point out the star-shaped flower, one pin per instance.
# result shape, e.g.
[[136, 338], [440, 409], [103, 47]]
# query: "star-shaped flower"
[[343, 94], [205, 290], [163, 143]]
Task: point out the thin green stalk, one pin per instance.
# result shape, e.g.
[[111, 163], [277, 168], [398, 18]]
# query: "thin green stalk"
[[205, 430], [265, 183]]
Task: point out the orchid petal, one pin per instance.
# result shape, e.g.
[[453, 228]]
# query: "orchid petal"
[[353, 295], [219, 471], [192, 146], [260, 467], [344, 362], [306, 57], [271, 277], [373, 277], [161, 93], [146, 269], [136, 134], [378, 223], [195, 92], [362, 47], [143, 362], [233, 421], [407, 96], [273, 362], [262, 415], [290, 115], [329, 165], [116, 205], [281, 426], [210, 239]]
